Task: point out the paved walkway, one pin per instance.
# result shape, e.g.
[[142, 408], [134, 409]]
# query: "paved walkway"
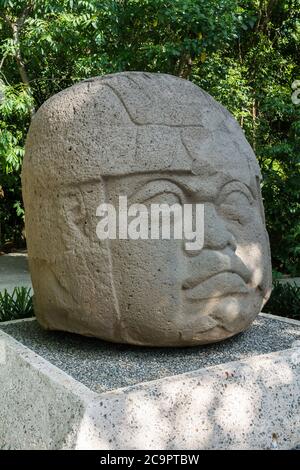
[[291, 280], [14, 271]]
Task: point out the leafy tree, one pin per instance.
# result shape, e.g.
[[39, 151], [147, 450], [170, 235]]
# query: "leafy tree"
[[47, 45], [253, 78], [246, 54]]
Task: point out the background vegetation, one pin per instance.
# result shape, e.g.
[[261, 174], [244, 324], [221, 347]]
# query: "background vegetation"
[[16, 304], [284, 300], [245, 53]]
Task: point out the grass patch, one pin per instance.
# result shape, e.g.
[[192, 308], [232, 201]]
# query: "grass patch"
[[16, 305]]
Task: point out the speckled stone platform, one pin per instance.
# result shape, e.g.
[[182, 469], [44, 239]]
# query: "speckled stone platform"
[[62, 391], [103, 366]]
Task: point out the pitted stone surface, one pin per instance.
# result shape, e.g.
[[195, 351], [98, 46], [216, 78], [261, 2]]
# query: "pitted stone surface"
[[154, 138]]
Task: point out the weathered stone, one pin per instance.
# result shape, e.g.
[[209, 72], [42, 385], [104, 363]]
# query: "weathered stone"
[[155, 138]]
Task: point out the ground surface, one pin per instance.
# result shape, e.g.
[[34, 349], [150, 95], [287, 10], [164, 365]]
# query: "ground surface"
[[14, 271], [291, 280]]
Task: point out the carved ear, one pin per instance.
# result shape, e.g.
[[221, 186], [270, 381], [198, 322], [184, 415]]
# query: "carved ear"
[[74, 213]]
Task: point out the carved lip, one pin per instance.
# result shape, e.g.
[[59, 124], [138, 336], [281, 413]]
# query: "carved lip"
[[218, 285], [216, 264]]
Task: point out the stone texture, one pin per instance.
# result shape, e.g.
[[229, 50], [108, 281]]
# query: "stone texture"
[[155, 138], [252, 403]]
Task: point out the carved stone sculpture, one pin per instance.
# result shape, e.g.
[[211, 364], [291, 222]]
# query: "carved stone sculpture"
[[155, 138]]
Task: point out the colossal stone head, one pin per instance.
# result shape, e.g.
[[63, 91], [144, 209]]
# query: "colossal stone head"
[[156, 139]]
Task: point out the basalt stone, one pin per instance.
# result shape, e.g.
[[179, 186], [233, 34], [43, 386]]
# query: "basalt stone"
[[154, 138]]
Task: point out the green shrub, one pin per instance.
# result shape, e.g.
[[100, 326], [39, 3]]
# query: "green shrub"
[[284, 300], [16, 305]]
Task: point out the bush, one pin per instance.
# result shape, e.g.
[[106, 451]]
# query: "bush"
[[284, 300], [16, 305]]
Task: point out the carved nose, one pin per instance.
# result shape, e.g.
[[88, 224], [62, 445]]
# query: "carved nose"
[[216, 234]]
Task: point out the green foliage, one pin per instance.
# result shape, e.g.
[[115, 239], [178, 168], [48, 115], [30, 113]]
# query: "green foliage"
[[276, 275], [16, 305], [284, 300], [245, 53], [14, 118], [48, 45], [253, 79]]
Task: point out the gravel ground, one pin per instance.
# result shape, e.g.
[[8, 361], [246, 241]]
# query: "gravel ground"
[[105, 366]]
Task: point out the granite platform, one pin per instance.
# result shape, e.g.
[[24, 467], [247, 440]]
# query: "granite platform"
[[104, 366], [64, 391]]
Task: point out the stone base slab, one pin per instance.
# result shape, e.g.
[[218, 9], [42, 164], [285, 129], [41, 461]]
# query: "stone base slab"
[[250, 403]]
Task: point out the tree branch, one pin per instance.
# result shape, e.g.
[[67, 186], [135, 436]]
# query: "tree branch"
[[16, 27]]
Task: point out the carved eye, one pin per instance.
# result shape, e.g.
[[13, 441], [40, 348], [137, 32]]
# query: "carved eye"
[[236, 207], [158, 192], [163, 198]]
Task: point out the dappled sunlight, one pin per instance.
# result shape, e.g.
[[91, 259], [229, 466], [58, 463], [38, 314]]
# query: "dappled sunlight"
[[199, 403], [283, 375], [240, 404], [237, 410], [88, 437], [145, 416], [252, 255]]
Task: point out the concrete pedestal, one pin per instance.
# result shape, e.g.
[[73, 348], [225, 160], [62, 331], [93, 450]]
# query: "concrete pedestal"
[[63, 391]]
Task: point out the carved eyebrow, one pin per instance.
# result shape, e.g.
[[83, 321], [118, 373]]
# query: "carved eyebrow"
[[235, 186], [152, 188]]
